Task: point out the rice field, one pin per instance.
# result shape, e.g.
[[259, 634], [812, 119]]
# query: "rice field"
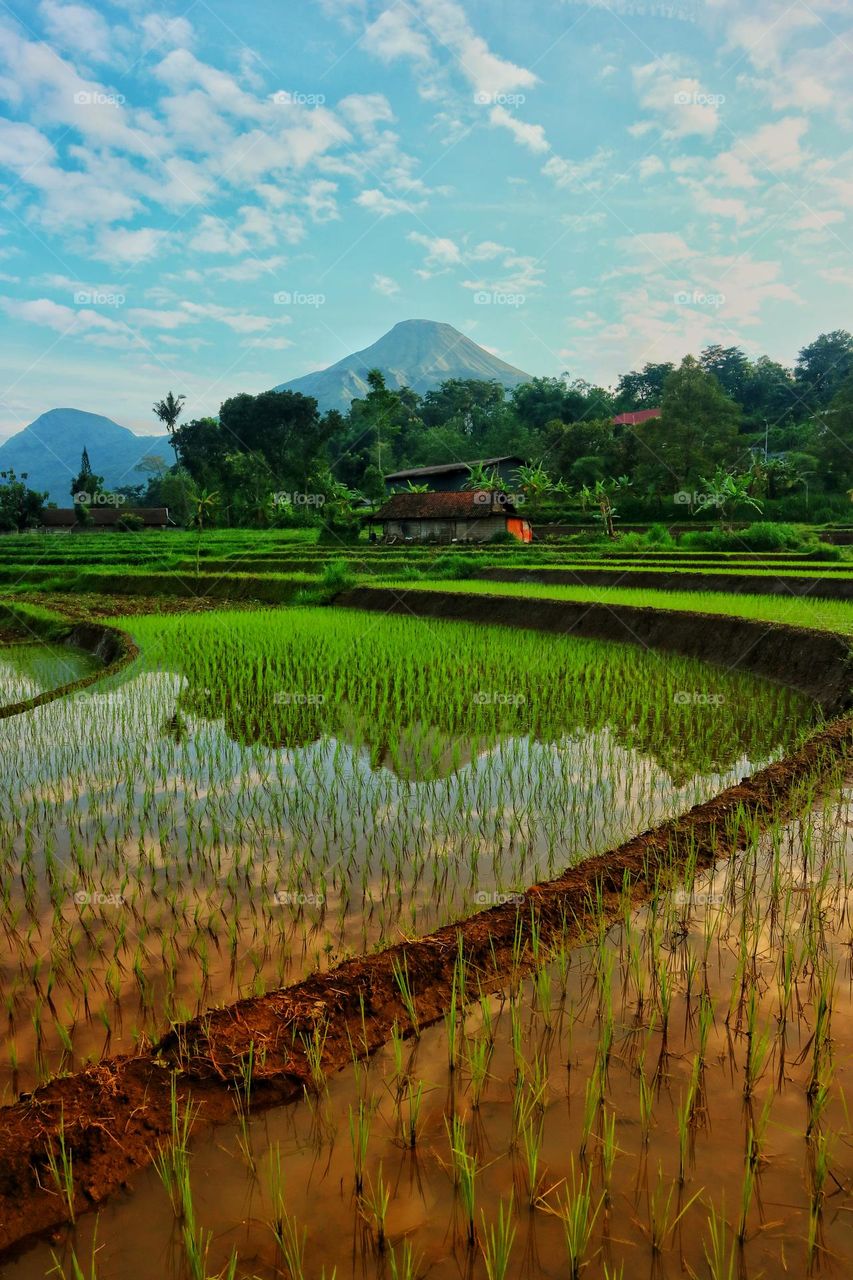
[[28, 669], [822, 615], [667, 1096], [263, 794]]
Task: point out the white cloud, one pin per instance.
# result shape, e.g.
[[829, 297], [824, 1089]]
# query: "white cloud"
[[238, 321], [679, 101], [441, 251], [77, 28], [531, 136], [649, 166], [578, 175], [385, 285], [376, 201], [817, 219], [393, 35], [120, 245]]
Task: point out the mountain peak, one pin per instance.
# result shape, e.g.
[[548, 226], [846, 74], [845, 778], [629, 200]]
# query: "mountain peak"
[[420, 354]]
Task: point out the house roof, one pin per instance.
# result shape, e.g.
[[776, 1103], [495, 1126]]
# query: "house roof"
[[447, 468], [468, 504], [66, 517], [631, 419]]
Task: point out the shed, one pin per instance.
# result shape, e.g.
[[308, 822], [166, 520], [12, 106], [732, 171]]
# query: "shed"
[[476, 515], [64, 519]]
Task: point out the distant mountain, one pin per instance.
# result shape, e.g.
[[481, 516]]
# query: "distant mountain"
[[49, 451], [419, 354]]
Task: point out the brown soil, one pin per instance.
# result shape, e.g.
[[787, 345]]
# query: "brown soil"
[[733, 583]]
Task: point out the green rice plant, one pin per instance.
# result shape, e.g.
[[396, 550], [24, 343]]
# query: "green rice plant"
[[405, 1266], [291, 1243], [360, 1122], [465, 1168], [61, 1167], [531, 1145], [662, 1218], [578, 1215], [401, 977], [720, 1255], [497, 1240], [375, 1203], [415, 1099], [77, 1271]]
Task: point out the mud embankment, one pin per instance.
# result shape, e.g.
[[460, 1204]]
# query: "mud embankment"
[[772, 584], [114, 648]]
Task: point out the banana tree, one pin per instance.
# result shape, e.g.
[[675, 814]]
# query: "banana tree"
[[728, 490], [601, 495]]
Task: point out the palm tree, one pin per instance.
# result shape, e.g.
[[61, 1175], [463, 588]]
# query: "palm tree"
[[168, 411], [203, 506]]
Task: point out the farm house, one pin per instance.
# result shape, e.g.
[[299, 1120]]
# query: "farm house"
[[472, 516]]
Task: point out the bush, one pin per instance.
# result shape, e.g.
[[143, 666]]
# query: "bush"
[[764, 535]]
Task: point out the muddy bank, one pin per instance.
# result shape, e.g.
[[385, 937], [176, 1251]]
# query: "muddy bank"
[[776, 584], [114, 648], [113, 1114], [817, 663]]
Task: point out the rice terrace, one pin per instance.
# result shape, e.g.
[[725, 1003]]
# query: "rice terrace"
[[426, 821]]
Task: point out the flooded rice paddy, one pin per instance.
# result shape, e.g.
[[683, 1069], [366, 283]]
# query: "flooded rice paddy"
[[670, 1098], [264, 794]]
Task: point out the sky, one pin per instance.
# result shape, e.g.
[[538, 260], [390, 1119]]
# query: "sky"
[[217, 196]]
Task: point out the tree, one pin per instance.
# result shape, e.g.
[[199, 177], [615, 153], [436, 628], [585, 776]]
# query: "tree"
[[86, 486], [642, 389], [168, 411], [834, 439], [20, 506], [730, 366], [283, 426], [697, 429], [823, 366], [203, 508], [727, 490], [601, 494]]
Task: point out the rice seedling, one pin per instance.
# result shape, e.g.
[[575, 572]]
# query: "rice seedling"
[[496, 1242], [578, 1214]]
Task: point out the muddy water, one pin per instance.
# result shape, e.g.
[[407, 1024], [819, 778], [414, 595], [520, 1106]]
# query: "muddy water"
[[29, 669], [774, 920], [160, 860]]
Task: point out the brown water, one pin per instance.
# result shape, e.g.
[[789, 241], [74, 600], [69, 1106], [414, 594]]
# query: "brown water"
[[783, 907]]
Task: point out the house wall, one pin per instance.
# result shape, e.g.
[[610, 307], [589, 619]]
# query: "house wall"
[[480, 530]]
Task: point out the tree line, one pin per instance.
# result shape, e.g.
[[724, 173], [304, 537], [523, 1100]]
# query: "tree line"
[[764, 431]]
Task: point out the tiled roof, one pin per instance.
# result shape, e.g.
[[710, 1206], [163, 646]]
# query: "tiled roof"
[[466, 505]]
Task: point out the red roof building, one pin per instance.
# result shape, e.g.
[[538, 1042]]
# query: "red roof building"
[[632, 419]]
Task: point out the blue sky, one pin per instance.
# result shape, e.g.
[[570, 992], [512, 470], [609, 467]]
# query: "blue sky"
[[218, 196]]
